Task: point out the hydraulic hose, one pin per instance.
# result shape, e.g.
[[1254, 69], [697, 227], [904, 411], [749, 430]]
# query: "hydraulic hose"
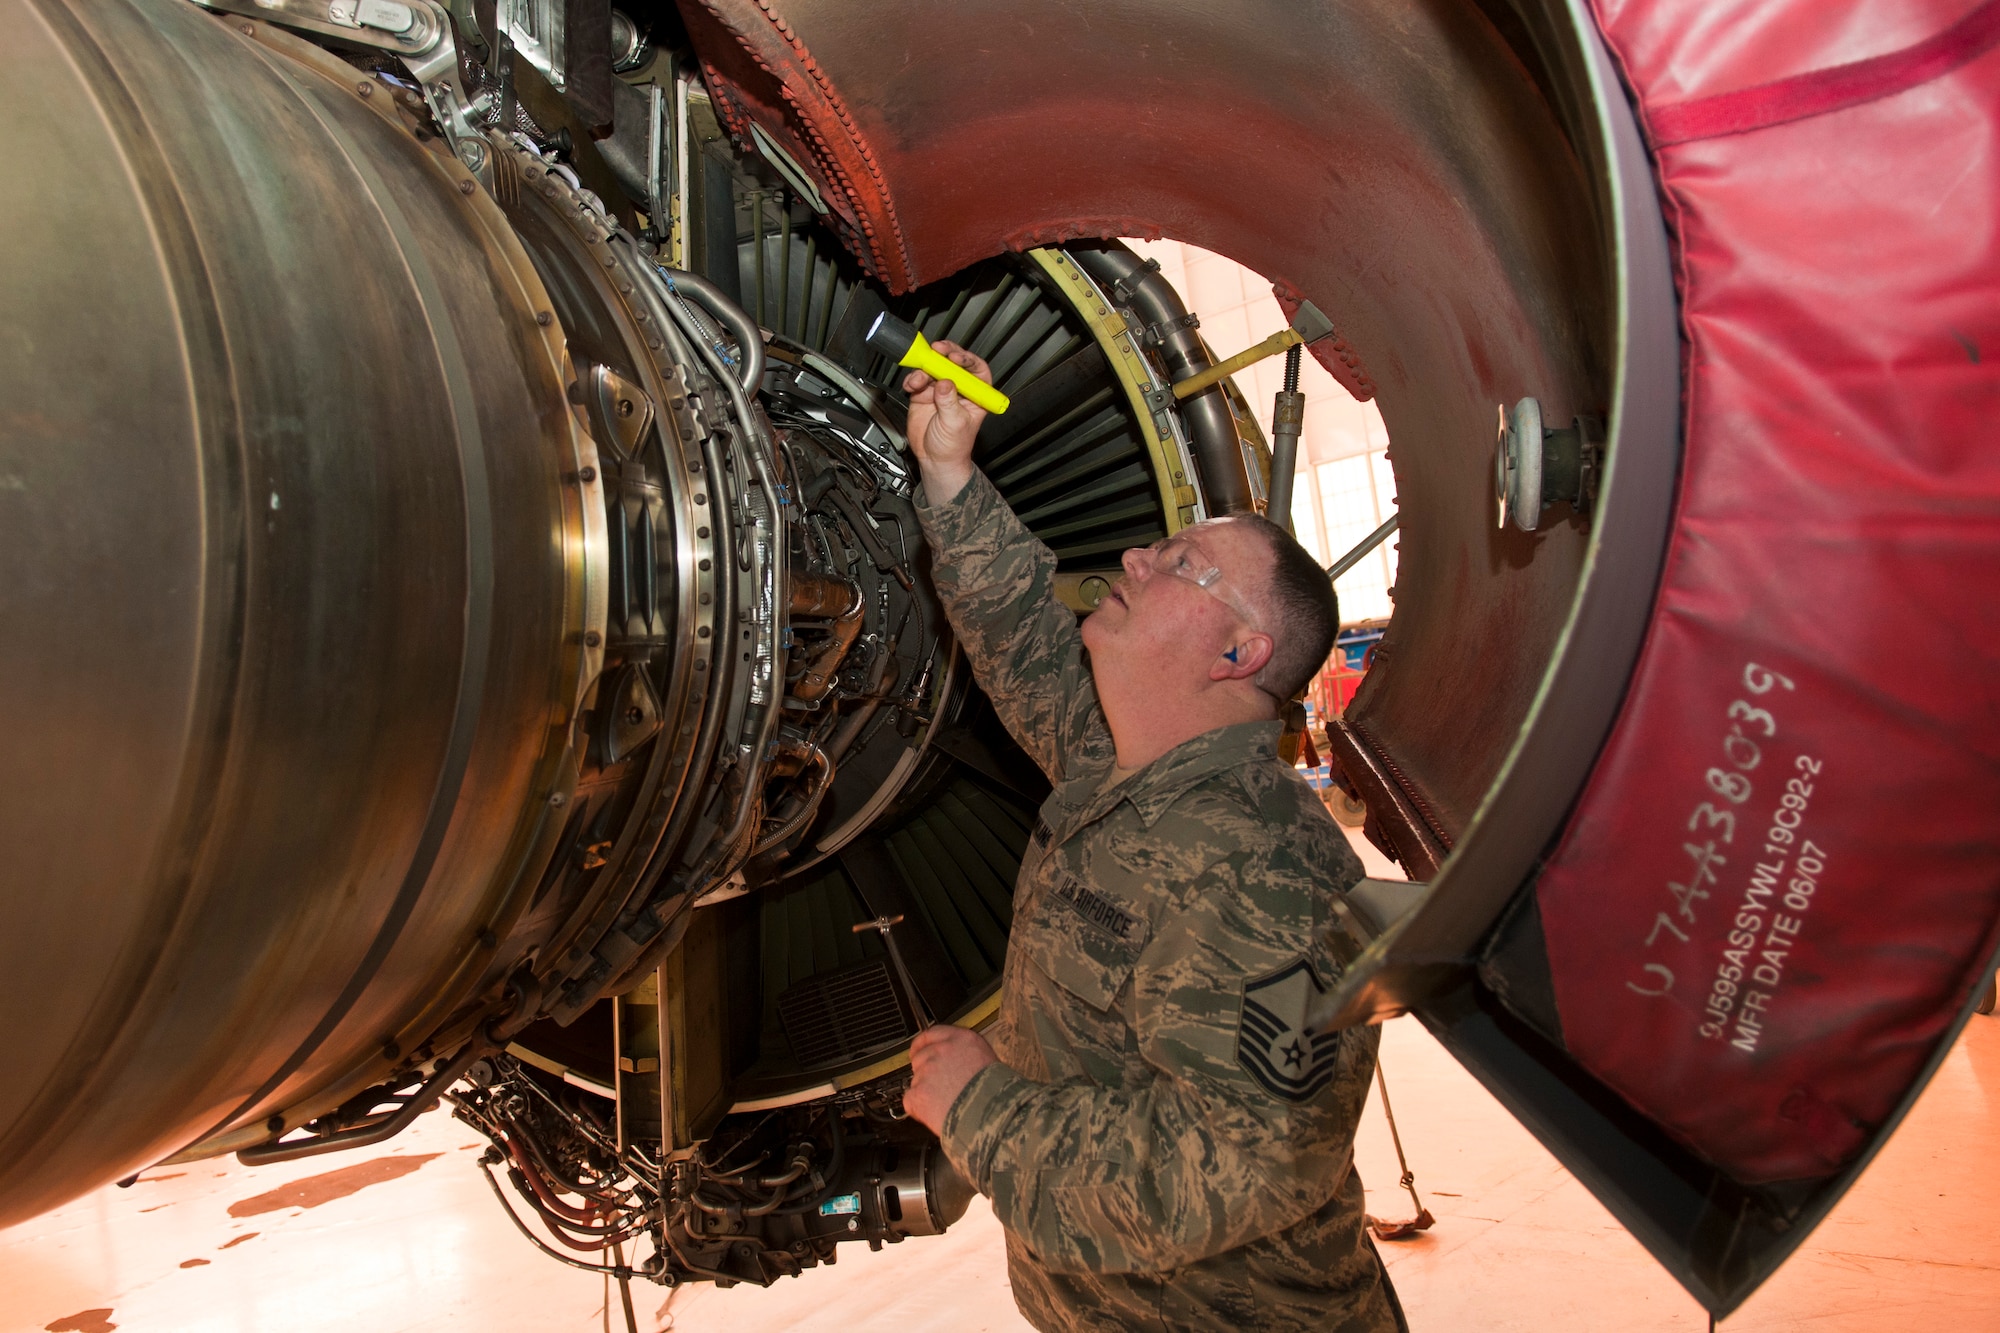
[[831, 1175]]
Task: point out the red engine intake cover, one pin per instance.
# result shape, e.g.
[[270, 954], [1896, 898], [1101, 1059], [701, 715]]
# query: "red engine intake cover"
[[1783, 880]]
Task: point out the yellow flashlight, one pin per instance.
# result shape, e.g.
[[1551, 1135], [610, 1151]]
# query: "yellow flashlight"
[[892, 337]]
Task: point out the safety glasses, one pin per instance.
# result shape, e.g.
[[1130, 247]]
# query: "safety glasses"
[[1182, 557]]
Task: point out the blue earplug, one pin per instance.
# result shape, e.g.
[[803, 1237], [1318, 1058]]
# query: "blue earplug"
[[1231, 654]]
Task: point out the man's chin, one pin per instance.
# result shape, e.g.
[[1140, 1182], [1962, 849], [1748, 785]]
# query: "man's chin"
[[1095, 625]]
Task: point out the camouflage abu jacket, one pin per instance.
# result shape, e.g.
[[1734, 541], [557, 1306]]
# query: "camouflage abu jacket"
[[1164, 1146]]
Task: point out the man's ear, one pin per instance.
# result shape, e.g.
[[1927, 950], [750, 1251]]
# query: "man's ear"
[[1243, 659]]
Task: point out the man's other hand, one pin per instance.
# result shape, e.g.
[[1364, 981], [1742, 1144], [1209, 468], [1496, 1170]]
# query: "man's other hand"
[[943, 1060], [943, 424]]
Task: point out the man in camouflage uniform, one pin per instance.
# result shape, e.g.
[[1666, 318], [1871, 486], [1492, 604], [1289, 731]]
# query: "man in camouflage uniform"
[[1163, 1142]]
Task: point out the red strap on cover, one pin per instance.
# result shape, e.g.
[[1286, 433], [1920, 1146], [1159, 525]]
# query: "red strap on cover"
[[1815, 94]]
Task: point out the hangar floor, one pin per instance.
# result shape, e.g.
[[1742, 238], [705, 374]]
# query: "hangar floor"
[[407, 1238]]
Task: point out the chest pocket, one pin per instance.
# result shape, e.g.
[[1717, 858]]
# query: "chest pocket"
[[1086, 941]]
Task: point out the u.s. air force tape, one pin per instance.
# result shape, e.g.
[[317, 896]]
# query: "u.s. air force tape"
[[1272, 1043], [1095, 908]]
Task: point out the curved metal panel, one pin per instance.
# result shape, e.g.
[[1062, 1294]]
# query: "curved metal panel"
[[1392, 162]]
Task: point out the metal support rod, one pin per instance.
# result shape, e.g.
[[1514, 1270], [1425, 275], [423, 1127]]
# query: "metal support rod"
[[1423, 1221], [657, 148], [1361, 548], [1250, 356], [1288, 419], [757, 247], [678, 251], [884, 924], [806, 298], [784, 263]]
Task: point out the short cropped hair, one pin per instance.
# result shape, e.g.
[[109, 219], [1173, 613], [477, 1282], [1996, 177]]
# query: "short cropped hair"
[[1304, 611]]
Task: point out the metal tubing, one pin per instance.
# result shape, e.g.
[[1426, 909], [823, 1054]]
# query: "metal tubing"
[[379, 1131], [1211, 427], [776, 837], [732, 317], [724, 310], [839, 600]]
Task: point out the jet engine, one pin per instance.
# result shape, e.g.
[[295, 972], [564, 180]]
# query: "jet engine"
[[522, 684], [467, 636]]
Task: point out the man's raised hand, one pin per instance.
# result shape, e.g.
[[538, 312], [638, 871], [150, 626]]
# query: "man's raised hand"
[[943, 424]]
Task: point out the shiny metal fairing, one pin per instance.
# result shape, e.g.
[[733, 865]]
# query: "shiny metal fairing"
[[302, 588]]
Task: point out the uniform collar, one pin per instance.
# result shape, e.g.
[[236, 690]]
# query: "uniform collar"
[[1159, 784]]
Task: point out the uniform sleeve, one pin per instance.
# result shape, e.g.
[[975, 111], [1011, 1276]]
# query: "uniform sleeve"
[[997, 585], [1223, 1130]]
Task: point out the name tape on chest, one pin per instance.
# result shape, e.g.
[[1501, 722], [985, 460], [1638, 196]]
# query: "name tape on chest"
[[1272, 1043], [1095, 908]]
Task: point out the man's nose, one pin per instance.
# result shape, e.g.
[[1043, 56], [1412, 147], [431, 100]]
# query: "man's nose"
[[1138, 562]]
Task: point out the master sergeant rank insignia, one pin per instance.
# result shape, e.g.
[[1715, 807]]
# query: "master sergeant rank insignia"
[[1272, 1043]]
